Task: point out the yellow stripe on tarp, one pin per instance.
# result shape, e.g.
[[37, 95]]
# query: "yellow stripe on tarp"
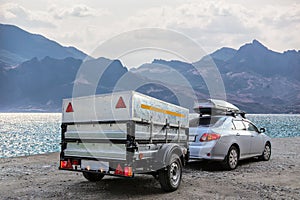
[[168, 112]]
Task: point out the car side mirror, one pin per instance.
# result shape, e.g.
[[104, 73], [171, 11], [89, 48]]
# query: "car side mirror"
[[262, 130]]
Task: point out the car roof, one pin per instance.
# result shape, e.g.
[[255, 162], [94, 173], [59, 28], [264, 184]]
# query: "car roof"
[[238, 117]]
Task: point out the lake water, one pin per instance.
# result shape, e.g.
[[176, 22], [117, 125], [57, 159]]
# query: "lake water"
[[35, 133]]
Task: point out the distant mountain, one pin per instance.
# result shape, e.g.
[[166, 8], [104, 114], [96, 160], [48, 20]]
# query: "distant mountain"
[[169, 71], [223, 54], [257, 79], [17, 46], [259, 59]]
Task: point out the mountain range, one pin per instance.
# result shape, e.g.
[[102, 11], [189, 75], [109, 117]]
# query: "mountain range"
[[36, 73]]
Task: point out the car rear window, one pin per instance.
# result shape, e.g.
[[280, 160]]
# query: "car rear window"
[[206, 121]]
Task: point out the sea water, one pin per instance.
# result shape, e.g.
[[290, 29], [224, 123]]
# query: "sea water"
[[277, 125], [24, 134]]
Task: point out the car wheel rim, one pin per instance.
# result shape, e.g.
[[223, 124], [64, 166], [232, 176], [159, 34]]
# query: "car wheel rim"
[[233, 157], [267, 152], [175, 173]]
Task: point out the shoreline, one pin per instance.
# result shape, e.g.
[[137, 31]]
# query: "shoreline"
[[46, 154], [49, 112], [278, 178]]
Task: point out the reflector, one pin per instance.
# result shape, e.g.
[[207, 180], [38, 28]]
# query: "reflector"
[[69, 108], [121, 103], [119, 170]]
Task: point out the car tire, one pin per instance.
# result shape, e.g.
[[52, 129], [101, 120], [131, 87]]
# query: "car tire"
[[170, 177], [231, 160], [93, 177], [266, 153]]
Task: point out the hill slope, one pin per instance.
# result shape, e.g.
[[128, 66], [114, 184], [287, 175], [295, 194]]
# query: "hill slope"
[[17, 46], [40, 85]]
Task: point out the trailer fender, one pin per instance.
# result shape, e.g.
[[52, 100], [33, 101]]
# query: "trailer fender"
[[165, 153]]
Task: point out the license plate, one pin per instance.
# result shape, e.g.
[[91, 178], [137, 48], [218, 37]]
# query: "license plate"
[[192, 138], [95, 165]]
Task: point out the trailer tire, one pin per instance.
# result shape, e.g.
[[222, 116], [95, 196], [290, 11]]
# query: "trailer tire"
[[170, 177], [93, 177]]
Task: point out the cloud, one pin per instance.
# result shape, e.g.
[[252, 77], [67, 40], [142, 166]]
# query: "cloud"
[[283, 17], [210, 23], [16, 14], [77, 11], [213, 24], [201, 15], [218, 23]]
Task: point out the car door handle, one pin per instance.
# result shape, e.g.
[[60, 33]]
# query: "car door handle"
[[252, 135], [237, 134]]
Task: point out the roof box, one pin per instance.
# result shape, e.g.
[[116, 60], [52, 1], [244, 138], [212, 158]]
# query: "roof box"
[[215, 106]]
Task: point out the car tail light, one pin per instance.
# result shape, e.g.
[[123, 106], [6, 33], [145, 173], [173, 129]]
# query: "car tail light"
[[209, 137]]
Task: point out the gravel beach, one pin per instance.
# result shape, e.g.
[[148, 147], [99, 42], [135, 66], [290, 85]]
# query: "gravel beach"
[[38, 177]]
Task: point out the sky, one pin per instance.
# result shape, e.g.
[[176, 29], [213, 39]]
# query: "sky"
[[209, 25]]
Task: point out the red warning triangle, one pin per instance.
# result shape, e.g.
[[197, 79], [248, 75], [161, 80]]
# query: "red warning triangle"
[[119, 170], [69, 108], [121, 103]]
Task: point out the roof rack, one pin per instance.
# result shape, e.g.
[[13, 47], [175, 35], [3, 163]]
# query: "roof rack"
[[234, 114]]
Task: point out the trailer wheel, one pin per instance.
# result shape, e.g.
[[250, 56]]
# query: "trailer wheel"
[[170, 177], [93, 177]]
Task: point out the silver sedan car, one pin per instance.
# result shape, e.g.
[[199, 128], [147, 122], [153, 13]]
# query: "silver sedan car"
[[227, 139]]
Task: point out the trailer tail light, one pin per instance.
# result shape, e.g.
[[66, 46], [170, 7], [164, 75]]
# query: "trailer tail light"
[[128, 171], [141, 155], [66, 164], [206, 137], [75, 162]]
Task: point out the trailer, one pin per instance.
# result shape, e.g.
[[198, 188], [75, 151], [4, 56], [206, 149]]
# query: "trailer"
[[124, 134]]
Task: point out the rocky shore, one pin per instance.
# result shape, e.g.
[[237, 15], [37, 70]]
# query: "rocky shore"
[[37, 177]]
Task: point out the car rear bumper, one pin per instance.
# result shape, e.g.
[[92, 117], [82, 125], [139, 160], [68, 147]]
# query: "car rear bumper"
[[204, 151]]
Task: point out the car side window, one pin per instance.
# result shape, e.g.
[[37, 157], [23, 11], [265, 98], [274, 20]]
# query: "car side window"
[[232, 125], [238, 124], [250, 127]]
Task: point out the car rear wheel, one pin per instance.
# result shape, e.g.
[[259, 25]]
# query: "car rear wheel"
[[170, 177], [266, 153], [231, 160], [93, 177]]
